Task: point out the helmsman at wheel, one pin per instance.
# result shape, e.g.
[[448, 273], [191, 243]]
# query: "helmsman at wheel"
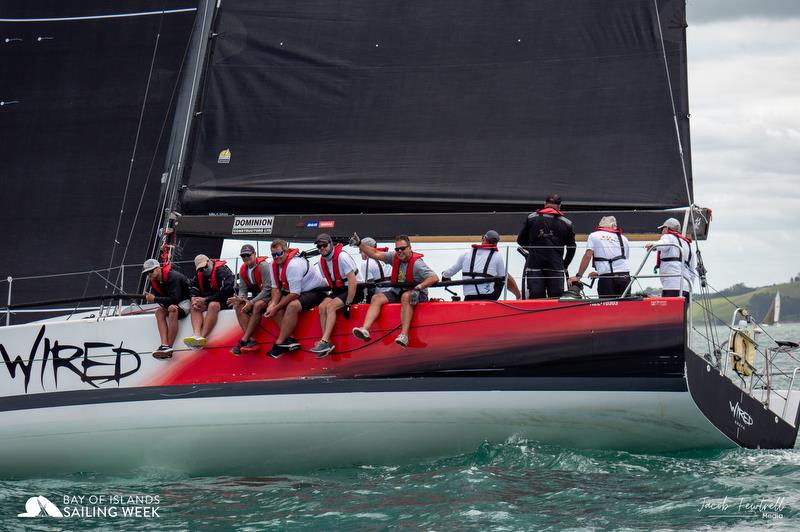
[[546, 234]]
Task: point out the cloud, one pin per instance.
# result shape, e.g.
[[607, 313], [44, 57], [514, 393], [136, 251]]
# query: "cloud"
[[701, 11]]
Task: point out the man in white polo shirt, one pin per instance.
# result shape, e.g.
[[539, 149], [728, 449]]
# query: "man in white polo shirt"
[[608, 250]]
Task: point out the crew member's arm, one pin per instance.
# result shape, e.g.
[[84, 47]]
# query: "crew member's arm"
[[570, 245], [371, 252], [522, 237], [585, 260], [428, 281], [452, 270], [266, 288], [513, 288]]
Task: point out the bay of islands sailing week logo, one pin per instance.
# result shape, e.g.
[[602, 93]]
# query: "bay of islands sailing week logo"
[[95, 363], [37, 506], [95, 506], [224, 156], [740, 417], [253, 225]]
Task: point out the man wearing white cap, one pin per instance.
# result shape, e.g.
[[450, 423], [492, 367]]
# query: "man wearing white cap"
[[210, 291], [608, 250], [170, 289], [674, 261], [483, 260]]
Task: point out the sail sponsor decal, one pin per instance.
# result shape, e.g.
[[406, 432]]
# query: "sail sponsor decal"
[[224, 156], [327, 224], [95, 363], [253, 225], [740, 417]]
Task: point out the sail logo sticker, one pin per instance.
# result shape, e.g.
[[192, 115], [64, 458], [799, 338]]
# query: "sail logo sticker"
[[224, 156], [253, 225], [739, 415], [37, 506], [327, 224]]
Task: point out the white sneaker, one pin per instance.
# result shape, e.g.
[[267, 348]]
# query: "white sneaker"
[[361, 333], [401, 340]]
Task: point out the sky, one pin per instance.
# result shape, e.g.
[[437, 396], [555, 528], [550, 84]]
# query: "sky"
[[744, 100]]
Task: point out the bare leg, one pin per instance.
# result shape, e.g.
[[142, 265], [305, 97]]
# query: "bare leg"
[[406, 312], [211, 318], [255, 318], [330, 309], [197, 322], [243, 318], [172, 325], [289, 321], [161, 321], [323, 316], [374, 310]]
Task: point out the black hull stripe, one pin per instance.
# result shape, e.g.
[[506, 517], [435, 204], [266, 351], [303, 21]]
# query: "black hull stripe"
[[314, 386]]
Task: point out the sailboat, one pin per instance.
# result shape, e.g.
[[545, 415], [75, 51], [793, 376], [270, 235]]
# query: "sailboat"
[[436, 120], [773, 316]]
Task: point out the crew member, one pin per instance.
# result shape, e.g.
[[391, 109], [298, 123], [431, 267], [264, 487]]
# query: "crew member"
[[374, 270], [296, 287], [483, 260], [546, 234], [674, 260], [608, 250], [342, 275], [210, 290], [253, 279], [170, 289], [407, 267]]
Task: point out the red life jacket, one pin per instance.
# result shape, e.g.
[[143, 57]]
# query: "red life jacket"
[[336, 281], [212, 277], [550, 210], [687, 262], [159, 287], [280, 278], [409, 268], [256, 273], [596, 259]]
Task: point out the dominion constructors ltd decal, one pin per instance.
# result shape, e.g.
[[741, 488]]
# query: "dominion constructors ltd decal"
[[253, 225]]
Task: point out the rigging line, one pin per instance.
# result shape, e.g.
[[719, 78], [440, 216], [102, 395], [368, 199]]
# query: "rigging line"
[[136, 142], [155, 153], [96, 17]]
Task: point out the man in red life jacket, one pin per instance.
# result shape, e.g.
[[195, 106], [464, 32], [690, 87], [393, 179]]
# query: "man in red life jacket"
[[675, 261], [546, 234], [342, 275], [608, 250], [407, 267], [253, 279], [483, 260], [210, 288], [170, 289], [296, 287]]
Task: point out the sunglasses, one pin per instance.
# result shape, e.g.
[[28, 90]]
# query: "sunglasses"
[[246, 255], [401, 248], [277, 253], [322, 245]]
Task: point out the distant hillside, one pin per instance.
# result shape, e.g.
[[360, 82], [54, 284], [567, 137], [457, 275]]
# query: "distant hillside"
[[757, 301]]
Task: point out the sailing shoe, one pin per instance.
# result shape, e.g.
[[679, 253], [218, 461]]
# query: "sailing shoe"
[[401, 340], [190, 341], [290, 344], [249, 345], [163, 351], [199, 341], [237, 349], [277, 351], [322, 349], [361, 333]]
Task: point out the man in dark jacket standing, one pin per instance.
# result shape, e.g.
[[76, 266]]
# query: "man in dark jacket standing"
[[545, 235], [170, 289], [210, 289]]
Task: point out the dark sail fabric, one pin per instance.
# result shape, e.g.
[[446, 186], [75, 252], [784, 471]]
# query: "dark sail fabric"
[[345, 106], [73, 81]]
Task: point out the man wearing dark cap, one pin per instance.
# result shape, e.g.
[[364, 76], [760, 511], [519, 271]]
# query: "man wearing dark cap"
[[210, 289], [342, 275], [545, 235], [483, 260], [170, 289], [251, 300]]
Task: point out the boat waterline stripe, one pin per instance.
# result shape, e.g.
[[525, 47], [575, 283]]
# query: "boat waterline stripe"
[[97, 17], [325, 385]]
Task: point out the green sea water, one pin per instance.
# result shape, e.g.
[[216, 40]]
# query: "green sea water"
[[517, 485]]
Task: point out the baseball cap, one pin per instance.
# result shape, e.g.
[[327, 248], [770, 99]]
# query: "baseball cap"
[[247, 249], [670, 223], [149, 265], [492, 236], [200, 261], [322, 237], [607, 222], [370, 242]]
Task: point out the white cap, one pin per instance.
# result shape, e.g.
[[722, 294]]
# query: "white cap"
[[607, 222], [150, 265], [670, 223]]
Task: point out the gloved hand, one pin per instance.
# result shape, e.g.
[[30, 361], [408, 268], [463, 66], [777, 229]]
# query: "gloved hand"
[[346, 311], [445, 279], [355, 240]]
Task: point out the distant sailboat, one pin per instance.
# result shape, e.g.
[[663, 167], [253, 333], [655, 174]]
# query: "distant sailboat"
[[774, 313]]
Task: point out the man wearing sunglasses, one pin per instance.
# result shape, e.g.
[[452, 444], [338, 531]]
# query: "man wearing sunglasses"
[[342, 275], [408, 268], [253, 279], [296, 287]]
